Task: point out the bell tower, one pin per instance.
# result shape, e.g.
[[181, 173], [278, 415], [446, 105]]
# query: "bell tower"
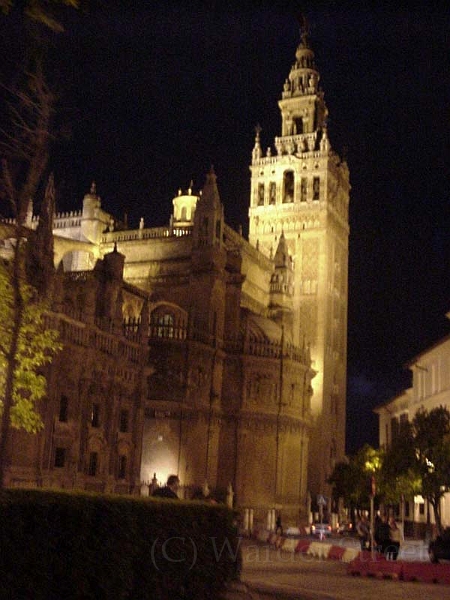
[[300, 190]]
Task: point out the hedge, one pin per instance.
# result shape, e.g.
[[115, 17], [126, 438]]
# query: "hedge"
[[58, 545]]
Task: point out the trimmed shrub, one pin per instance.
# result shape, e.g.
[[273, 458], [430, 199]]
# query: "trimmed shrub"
[[56, 545]]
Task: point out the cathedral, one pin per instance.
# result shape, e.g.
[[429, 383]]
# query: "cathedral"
[[191, 350]]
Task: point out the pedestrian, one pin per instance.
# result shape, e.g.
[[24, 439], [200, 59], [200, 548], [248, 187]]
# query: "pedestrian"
[[395, 537], [383, 535], [363, 531], [278, 526], [169, 490]]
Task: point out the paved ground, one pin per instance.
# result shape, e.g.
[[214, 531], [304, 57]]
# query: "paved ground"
[[273, 574]]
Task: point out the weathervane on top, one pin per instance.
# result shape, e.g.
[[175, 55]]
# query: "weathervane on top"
[[304, 28]]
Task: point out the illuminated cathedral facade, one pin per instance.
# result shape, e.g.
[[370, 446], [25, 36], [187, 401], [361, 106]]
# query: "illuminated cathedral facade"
[[191, 350]]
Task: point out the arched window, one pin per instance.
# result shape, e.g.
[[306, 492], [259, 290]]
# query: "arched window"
[[303, 189], [165, 326], [298, 125], [272, 192], [260, 194], [316, 188], [288, 187], [168, 322]]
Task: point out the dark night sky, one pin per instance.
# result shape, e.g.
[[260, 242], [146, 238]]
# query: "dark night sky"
[[153, 97]]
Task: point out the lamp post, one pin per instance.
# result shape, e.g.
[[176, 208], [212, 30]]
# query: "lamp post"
[[372, 515]]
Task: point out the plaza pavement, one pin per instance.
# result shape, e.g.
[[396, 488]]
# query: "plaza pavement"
[[272, 570]]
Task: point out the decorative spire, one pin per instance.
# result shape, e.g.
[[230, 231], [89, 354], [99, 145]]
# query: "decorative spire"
[[282, 258], [256, 154], [210, 191]]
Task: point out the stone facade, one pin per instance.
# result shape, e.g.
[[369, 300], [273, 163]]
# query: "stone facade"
[[93, 413], [236, 371]]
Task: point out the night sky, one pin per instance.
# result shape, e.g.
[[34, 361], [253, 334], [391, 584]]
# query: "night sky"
[[151, 97]]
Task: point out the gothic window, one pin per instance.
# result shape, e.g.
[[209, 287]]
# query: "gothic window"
[[95, 415], [63, 409], [218, 229], [272, 192], [288, 187], [183, 213], [60, 457], [316, 188], [165, 326], [122, 470], [303, 189], [260, 194], [123, 421], [168, 322], [93, 464]]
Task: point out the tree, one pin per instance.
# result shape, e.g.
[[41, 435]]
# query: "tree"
[[26, 344], [351, 480], [418, 460], [431, 437], [40, 11], [398, 478]]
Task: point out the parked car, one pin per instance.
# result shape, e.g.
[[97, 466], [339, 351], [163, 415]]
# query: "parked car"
[[346, 529], [439, 549], [321, 529], [293, 532]]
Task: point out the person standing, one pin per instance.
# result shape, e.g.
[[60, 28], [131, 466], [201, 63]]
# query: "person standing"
[[363, 531], [383, 536], [278, 526], [169, 490], [395, 539]]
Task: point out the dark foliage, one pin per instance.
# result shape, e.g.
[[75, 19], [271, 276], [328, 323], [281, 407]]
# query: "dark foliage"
[[57, 545]]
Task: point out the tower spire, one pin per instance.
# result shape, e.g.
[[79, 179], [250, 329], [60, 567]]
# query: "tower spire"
[[292, 194], [304, 29]]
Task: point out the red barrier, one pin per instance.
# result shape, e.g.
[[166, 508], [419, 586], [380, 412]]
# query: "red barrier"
[[426, 572], [302, 547], [357, 567], [365, 565], [336, 552], [385, 569]]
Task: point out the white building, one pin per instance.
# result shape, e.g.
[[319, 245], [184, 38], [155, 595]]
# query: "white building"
[[430, 389]]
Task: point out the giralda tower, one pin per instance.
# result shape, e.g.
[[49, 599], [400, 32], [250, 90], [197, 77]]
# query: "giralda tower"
[[300, 187]]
